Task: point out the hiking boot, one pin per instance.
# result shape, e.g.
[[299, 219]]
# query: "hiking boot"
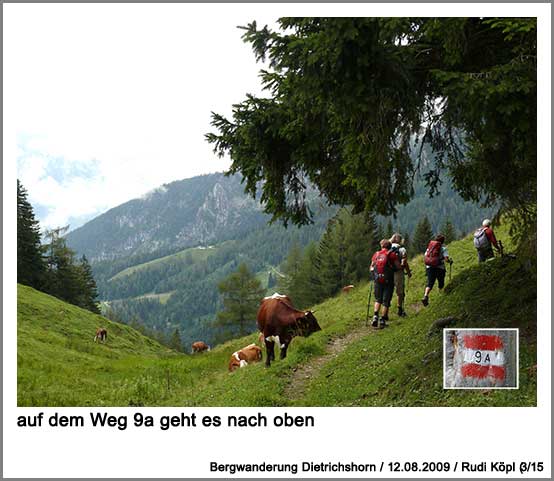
[[375, 322], [401, 312], [425, 301], [383, 323]]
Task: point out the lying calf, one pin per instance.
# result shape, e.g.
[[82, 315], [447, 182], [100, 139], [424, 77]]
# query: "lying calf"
[[242, 357]]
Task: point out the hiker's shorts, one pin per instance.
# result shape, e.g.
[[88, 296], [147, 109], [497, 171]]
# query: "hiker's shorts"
[[383, 293], [433, 274], [399, 283]]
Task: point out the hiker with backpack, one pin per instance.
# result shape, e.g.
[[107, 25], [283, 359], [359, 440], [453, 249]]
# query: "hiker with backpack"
[[399, 280], [383, 265], [483, 240], [436, 257]]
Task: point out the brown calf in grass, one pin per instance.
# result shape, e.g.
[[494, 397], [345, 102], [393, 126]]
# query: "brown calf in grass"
[[200, 346], [102, 334], [242, 357]]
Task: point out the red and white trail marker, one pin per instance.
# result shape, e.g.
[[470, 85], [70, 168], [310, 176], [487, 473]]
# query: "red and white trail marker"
[[480, 358], [483, 357]]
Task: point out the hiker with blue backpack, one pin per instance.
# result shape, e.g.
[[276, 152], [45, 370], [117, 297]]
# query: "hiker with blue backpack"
[[484, 240], [384, 264], [436, 257], [399, 275]]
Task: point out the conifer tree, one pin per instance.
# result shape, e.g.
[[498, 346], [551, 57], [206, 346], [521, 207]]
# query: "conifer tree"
[[389, 230], [31, 268], [422, 235], [175, 341], [332, 255], [379, 235], [360, 240], [241, 293], [449, 231], [89, 292], [307, 282], [288, 284]]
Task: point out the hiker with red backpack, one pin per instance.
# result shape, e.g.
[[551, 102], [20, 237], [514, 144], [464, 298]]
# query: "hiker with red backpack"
[[436, 257], [383, 265], [483, 240]]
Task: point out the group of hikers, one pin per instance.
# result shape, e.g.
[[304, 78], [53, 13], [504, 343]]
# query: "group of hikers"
[[389, 266]]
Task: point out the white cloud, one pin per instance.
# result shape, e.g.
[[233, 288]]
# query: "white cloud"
[[128, 87]]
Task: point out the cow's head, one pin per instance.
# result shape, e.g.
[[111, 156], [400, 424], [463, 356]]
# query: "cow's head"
[[307, 324]]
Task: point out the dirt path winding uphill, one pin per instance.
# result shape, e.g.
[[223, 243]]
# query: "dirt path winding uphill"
[[304, 373]]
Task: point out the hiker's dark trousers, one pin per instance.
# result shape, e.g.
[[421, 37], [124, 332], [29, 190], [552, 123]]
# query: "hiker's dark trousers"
[[485, 253], [383, 292], [435, 274]]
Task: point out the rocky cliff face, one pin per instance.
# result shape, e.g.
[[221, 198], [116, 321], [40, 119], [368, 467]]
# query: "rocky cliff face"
[[192, 212]]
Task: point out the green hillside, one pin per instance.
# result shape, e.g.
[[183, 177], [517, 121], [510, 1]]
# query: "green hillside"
[[190, 255], [58, 361], [346, 364]]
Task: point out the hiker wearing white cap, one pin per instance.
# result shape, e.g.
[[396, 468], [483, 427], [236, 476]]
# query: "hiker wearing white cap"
[[483, 240]]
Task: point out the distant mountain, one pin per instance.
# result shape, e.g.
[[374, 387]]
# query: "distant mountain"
[[203, 210]]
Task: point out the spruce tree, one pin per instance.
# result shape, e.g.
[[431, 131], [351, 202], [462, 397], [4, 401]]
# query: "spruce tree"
[[449, 231], [89, 292], [175, 341], [389, 230], [307, 281], [379, 236], [31, 268], [288, 284], [332, 255], [345, 98], [422, 235], [241, 292], [360, 240]]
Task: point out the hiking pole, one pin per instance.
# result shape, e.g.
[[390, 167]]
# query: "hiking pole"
[[501, 248], [368, 302]]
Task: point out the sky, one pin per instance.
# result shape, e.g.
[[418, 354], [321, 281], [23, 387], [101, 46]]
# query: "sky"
[[111, 101]]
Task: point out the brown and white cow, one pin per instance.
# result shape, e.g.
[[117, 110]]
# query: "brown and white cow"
[[102, 334], [200, 346], [242, 357], [279, 321]]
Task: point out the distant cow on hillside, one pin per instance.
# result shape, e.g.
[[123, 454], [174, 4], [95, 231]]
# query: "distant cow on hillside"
[[242, 357], [200, 346], [347, 289], [102, 334], [279, 321]]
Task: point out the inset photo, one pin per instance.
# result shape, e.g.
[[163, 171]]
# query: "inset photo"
[[480, 358]]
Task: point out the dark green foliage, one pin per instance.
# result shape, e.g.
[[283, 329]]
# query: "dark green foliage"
[[348, 95], [389, 231], [341, 258], [288, 284], [271, 281], [66, 279], [89, 291], [422, 235], [175, 342], [241, 293], [31, 268], [449, 231]]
